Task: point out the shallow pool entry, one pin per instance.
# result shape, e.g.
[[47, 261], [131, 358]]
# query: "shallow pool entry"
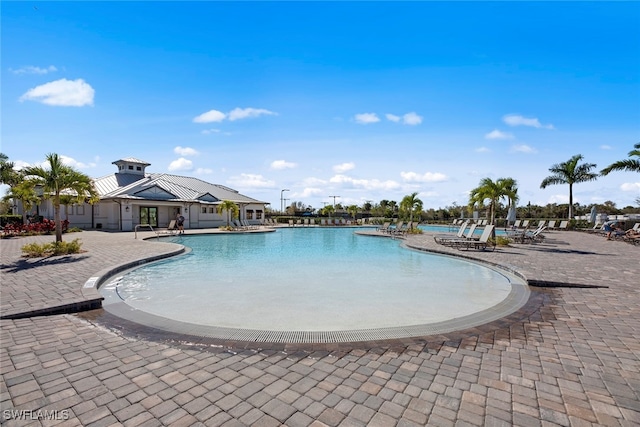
[[330, 284]]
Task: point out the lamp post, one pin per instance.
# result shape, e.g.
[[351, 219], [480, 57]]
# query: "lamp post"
[[334, 202], [282, 199]]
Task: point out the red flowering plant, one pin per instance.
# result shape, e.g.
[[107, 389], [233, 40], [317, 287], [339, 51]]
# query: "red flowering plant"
[[46, 226]]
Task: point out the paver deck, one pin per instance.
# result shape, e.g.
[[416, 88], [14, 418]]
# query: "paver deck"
[[570, 357]]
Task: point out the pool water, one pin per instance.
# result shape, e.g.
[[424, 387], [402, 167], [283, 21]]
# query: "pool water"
[[309, 279]]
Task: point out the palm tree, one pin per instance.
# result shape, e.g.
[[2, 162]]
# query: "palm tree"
[[629, 165], [353, 210], [231, 208], [8, 175], [411, 204], [493, 191], [24, 192], [328, 210], [570, 172], [58, 178]]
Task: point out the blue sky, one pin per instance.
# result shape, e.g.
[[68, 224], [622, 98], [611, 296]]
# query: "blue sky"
[[362, 100]]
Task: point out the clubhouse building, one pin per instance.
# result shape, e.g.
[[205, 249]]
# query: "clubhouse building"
[[132, 197]]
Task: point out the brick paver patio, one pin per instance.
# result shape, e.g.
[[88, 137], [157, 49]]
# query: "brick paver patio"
[[570, 357]]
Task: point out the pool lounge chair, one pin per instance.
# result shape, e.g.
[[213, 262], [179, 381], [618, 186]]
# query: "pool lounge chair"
[[484, 242], [563, 225], [458, 235], [398, 226], [172, 228], [384, 227], [453, 241]]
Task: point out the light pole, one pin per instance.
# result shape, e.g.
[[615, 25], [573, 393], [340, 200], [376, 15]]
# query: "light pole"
[[334, 201], [282, 200]]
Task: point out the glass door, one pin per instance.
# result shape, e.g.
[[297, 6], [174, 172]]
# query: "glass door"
[[149, 216]]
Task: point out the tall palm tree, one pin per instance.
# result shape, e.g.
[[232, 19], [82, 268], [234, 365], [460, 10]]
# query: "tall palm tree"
[[411, 204], [493, 191], [8, 175], [25, 192], [570, 172], [353, 210], [231, 208], [57, 178], [629, 165], [328, 210]]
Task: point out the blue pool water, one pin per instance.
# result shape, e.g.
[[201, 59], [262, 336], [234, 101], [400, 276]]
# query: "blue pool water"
[[309, 279]]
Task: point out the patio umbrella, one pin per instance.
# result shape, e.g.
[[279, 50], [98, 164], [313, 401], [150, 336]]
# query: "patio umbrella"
[[511, 215], [592, 216]]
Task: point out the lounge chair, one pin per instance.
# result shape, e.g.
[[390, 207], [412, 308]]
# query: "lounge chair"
[[563, 225], [453, 241], [172, 228], [551, 225], [458, 235], [485, 241], [516, 224], [384, 227], [525, 223], [402, 229], [398, 226]]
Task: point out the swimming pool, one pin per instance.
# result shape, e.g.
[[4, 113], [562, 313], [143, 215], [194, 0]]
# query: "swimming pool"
[[312, 282]]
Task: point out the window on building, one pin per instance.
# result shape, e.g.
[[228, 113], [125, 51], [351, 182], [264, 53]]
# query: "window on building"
[[79, 209], [130, 168], [138, 168], [212, 210], [258, 214], [204, 210], [249, 214]]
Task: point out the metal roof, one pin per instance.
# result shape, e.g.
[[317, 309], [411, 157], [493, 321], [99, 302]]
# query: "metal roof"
[[183, 188]]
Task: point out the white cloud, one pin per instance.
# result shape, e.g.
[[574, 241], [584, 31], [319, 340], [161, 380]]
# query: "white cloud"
[[496, 134], [605, 147], [482, 150], [210, 131], [282, 164], [392, 117], [181, 164], [411, 119], [311, 182], [185, 151], [366, 184], [310, 192], [523, 148], [366, 118], [30, 69], [517, 120], [243, 113], [69, 161], [63, 92], [560, 199], [426, 177], [630, 186], [203, 171], [344, 167], [247, 180], [211, 116]]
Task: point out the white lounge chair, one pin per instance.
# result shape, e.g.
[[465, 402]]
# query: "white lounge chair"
[[485, 241], [469, 235]]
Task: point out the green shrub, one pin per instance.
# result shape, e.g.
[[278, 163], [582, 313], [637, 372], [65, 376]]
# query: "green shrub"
[[500, 241], [33, 250]]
